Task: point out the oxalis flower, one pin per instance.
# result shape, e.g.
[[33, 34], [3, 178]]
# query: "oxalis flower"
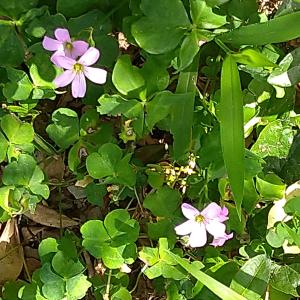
[[210, 219], [76, 71], [63, 44]]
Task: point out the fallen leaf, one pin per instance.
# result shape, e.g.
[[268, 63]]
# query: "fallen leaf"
[[50, 217], [11, 253]]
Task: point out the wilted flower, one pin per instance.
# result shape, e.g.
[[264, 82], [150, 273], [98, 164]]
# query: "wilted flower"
[[76, 71], [63, 44], [209, 219]]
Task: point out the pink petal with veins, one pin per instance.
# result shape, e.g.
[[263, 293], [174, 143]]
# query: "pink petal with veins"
[[63, 61], [62, 35], [95, 74], [89, 57], [64, 79], [79, 86]]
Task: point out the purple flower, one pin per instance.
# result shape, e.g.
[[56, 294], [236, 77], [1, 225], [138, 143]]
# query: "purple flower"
[[63, 44], [209, 219], [76, 71]]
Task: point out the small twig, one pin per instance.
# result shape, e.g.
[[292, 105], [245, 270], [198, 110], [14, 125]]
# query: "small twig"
[[138, 199], [90, 268], [138, 278]]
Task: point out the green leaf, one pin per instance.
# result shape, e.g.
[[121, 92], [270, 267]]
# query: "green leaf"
[[77, 286], [25, 172], [156, 76], [65, 266], [121, 228], [164, 202], [274, 140], [54, 285], [188, 50], [76, 8], [232, 128], [42, 71], [252, 279], [3, 147], [292, 206], [94, 236], [215, 286], [287, 73], [126, 77], [163, 26], [286, 280], [16, 131], [14, 8], [204, 17], [47, 248], [104, 162], [121, 294], [277, 30], [19, 87], [11, 48], [182, 109], [253, 58], [65, 130], [270, 186], [114, 105], [159, 108]]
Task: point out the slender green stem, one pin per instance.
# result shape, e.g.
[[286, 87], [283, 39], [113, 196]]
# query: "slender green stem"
[[223, 46], [106, 295]]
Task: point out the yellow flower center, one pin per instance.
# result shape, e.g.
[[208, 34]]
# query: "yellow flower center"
[[78, 67], [69, 46], [199, 219]]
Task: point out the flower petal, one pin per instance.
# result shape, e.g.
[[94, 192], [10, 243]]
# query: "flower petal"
[[63, 61], [215, 228], [79, 48], [52, 44], [213, 211], [89, 57], [189, 211], [65, 78], [95, 74], [79, 86], [198, 237], [221, 240], [62, 35], [185, 228]]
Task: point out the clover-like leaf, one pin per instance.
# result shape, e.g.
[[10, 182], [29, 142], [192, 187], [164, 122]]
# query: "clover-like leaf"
[[126, 77], [16, 131], [163, 26], [108, 162], [19, 87], [112, 240], [65, 128], [26, 172]]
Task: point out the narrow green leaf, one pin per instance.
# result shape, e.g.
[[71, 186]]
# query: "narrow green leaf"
[[252, 279], [215, 286], [232, 130], [278, 30], [182, 111]]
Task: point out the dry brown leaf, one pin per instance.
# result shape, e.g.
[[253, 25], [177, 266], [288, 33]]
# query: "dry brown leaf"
[[11, 253], [49, 217]]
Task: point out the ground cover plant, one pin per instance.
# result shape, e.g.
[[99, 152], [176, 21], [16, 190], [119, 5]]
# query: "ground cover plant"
[[149, 149]]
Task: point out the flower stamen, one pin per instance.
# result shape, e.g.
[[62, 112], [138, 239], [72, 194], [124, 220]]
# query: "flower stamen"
[[78, 67], [199, 219]]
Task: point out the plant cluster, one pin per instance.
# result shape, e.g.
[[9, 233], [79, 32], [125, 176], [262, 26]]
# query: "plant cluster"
[[158, 139]]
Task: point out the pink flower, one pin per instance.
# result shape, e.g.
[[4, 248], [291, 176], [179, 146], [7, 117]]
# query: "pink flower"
[[209, 219], [76, 71], [63, 44]]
